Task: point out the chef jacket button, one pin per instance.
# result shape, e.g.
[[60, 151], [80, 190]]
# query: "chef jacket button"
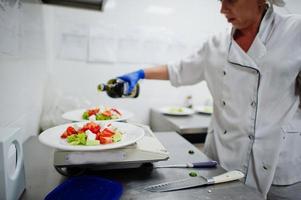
[[224, 72], [225, 131], [253, 104], [224, 103], [265, 167], [251, 137]]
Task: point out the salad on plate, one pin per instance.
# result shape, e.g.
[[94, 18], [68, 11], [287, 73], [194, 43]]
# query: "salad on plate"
[[176, 110], [106, 113], [91, 134]]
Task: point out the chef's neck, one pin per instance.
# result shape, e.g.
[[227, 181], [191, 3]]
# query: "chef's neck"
[[251, 30]]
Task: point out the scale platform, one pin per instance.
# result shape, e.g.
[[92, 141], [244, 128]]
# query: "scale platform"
[[147, 150]]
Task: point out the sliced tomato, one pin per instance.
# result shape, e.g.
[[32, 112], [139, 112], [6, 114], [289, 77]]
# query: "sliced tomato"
[[64, 135], [106, 133], [70, 130], [95, 129], [97, 137], [105, 140], [83, 129], [107, 113], [93, 111], [115, 110], [92, 126]]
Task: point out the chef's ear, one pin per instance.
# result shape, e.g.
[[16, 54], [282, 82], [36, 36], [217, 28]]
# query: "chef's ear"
[[298, 88]]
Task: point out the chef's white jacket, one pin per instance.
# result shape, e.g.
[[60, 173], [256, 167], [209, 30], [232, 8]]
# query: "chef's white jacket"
[[256, 123]]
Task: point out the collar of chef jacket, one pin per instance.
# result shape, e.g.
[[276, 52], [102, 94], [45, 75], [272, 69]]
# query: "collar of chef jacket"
[[257, 50]]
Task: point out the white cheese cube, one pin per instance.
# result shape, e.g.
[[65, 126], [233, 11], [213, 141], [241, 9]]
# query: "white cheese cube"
[[90, 135]]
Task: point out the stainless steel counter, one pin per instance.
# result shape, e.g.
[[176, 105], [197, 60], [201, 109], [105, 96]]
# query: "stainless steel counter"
[[190, 124], [192, 127], [41, 177]]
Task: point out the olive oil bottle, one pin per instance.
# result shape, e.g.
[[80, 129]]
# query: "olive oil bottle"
[[116, 88]]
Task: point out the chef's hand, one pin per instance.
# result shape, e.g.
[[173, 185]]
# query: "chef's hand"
[[133, 78]]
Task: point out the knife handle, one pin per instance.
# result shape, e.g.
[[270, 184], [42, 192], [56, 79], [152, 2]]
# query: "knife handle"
[[228, 176], [207, 164]]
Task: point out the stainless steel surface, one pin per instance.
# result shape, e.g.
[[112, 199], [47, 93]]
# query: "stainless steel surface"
[[41, 177], [192, 124]]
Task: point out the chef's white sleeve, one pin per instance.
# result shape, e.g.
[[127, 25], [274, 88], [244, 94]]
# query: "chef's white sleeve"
[[190, 70]]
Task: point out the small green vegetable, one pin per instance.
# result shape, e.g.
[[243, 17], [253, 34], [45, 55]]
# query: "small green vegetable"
[[176, 110], [117, 137], [77, 139], [71, 138], [92, 142], [102, 117], [193, 174], [191, 152], [85, 115]]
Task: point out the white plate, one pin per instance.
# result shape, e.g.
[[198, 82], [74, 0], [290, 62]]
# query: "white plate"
[[76, 116], [176, 110], [52, 137], [204, 109]]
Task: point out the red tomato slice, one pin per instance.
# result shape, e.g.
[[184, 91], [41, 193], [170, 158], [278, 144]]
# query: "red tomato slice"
[[92, 126], [107, 113], [106, 133], [64, 135], [70, 130], [93, 111], [94, 129], [84, 128], [105, 140], [115, 110]]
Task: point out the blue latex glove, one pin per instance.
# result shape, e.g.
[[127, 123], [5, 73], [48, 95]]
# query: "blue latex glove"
[[133, 78]]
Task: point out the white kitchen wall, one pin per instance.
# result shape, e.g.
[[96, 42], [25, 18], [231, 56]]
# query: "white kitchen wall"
[[22, 65]]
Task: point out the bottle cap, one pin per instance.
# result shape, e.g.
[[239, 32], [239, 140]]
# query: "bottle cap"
[[101, 87]]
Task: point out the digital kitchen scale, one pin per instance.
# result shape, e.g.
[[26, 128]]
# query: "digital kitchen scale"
[[146, 150]]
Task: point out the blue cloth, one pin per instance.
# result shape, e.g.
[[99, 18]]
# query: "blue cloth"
[[87, 188], [132, 78]]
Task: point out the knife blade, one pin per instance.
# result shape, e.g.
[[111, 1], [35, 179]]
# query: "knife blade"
[[195, 182], [206, 164]]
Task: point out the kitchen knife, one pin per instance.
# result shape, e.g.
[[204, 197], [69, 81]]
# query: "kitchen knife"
[[195, 182], [206, 164]]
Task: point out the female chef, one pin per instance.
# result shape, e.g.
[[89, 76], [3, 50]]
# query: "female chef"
[[251, 73]]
